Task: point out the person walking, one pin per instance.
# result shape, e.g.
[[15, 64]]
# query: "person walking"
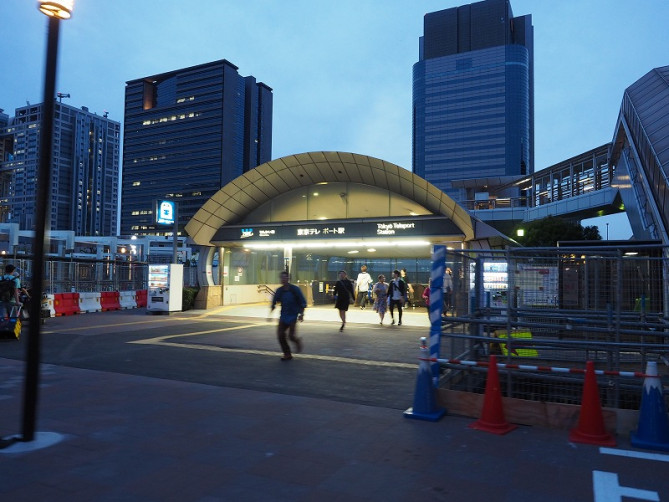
[[292, 310], [362, 287], [343, 290], [426, 297], [380, 292], [408, 296], [397, 291], [10, 286], [448, 290]]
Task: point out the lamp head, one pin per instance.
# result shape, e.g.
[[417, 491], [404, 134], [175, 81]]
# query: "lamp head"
[[62, 9]]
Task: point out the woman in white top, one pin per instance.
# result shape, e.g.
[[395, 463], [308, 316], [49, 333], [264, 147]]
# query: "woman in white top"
[[362, 286]]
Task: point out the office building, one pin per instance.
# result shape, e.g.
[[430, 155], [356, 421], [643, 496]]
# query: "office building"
[[187, 133], [473, 96], [84, 170]]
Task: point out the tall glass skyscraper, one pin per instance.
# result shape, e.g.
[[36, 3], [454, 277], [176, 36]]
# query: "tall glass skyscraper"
[[473, 95], [84, 171], [187, 133]]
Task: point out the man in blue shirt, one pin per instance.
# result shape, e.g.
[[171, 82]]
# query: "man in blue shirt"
[[292, 310], [9, 295]]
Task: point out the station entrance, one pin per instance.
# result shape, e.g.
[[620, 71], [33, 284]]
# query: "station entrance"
[[320, 212]]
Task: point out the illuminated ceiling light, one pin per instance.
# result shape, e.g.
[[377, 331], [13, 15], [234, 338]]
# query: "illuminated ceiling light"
[[371, 250], [353, 251], [333, 244], [413, 214], [315, 194], [631, 253], [323, 218], [62, 9], [322, 183]]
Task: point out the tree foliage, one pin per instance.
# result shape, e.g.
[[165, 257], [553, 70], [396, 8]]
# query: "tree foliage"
[[548, 231]]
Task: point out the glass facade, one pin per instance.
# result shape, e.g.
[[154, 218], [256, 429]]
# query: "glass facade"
[[187, 133], [84, 172], [473, 96], [258, 266], [640, 155]]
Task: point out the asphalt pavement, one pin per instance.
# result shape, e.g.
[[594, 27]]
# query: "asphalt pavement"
[[120, 434]]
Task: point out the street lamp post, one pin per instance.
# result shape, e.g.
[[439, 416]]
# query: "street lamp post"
[[55, 10]]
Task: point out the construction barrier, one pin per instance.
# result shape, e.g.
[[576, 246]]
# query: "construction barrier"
[[66, 303], [425, 399], [591, 428], [89, 302], [110, 300], [653, 430], [492, 415], [127, 300], [47, 305], [141, 296]]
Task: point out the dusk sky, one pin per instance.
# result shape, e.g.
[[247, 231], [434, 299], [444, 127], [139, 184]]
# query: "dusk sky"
[[341, 71]]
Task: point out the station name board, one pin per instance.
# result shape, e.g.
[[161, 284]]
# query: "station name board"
[[399, 228]]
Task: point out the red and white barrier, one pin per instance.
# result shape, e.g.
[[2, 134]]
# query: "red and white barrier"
[[543, 369], [89, 302], [127, 300]]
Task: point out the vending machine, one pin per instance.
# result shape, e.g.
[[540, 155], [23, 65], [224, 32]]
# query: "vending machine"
[[165, 288]]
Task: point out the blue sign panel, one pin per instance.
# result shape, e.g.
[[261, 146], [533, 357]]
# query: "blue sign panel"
[[166, 212]]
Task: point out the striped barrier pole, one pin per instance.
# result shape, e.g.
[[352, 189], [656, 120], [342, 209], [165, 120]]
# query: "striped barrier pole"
[[542, 369], [436, 305]]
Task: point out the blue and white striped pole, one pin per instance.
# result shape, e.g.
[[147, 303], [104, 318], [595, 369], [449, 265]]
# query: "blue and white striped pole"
[[436, 305]]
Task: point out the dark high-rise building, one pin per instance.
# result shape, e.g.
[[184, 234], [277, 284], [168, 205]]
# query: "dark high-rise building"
[[84, 171], [187, 133], [473, 95]]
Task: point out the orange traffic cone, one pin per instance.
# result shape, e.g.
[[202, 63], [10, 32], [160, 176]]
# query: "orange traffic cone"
[[492, 417], [590, 428]]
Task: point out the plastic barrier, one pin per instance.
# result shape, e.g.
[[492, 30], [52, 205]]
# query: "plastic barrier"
[[89, 302], [141, 296], [47, 305], [66, 303], [109, 300], [127, 300]]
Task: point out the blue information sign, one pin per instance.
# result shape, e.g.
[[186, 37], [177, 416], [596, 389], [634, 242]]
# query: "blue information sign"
[[165, 212]]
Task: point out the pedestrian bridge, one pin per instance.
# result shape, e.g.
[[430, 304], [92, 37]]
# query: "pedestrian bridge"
[[630, 174], [580, 187]]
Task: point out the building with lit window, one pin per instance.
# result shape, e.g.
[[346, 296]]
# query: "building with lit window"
[[473, 95], [84, 171], [187, 133]]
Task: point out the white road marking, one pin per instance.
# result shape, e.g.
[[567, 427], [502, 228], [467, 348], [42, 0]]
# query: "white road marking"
[[635, 454], [607, 489], [161, 340]]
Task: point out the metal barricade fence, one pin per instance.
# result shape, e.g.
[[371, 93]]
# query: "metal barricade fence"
[[557, 307], [64, 275]]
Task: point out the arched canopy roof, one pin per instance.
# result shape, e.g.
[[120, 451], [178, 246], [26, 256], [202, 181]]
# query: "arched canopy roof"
[[232, 203]]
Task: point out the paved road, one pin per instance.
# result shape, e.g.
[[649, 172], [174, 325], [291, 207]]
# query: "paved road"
[[327, 427], [367, 363]]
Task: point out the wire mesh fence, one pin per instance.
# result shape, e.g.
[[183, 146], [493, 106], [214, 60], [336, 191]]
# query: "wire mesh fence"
[[62, 275], [558, 307]]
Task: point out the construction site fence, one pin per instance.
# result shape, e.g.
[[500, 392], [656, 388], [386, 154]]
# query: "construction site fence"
[[64, 275], [557, 307]]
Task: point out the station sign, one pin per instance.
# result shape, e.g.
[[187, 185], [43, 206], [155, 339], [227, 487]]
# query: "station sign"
[[377, 228], [165, 212]]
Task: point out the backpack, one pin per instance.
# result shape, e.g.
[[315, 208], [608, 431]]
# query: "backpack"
[[7, 287]]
